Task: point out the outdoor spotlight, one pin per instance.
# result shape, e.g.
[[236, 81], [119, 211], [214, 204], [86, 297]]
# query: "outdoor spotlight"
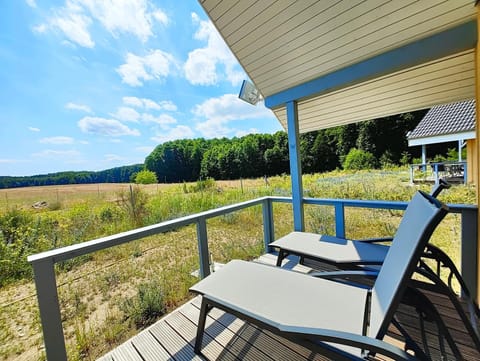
[[249, 93]]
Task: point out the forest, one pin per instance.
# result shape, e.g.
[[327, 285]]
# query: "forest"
[[382, 141], [374, 143], [113, 175]]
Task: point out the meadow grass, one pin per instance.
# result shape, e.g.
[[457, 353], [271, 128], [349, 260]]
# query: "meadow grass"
[[106, 296]]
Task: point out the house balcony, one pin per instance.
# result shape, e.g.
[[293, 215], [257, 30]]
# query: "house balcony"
[[226, 337]]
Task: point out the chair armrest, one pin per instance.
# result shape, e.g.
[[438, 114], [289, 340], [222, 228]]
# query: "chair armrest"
[[375, 240], [370, 344], [353, 278], [344, 274]]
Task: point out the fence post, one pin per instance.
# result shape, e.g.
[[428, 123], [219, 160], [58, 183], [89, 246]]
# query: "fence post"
[[203, 252], [339, 220], [469, 250], [435, 170], [268, 224], [51, 319]]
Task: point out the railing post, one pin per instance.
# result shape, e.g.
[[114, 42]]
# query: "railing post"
[[268, 224], [51, 319], [203, 252], [469, 258], [435, 171], [340, 220], [411, 173]]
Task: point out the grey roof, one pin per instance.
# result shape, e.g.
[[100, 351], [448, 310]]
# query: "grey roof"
[[446, 119]]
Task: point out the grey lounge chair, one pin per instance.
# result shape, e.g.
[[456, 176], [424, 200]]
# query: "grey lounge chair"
[[341, 319], [343, 253]]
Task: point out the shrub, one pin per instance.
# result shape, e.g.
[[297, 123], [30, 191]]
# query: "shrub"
[[146, 177], [206, 184], [405, 158], [386, 160], [358, 159], [134, 202], [147, 306]]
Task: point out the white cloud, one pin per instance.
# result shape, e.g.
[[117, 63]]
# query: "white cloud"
[[127, 114], [57, 140], [57, 153], [81, 107], [133, 101], [156, 65], [136, 17], [8, 161], [179, 132], [163, 119], [241, 133], [73, 23], [106, 127], [204, 65], [33, 129], [214, 129], [218, 112], [145, 149], [127, 16], [40, 29], [149, 103], [31, 3], [113, 157], [168, 105]]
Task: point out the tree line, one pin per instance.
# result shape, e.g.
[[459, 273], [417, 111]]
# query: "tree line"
[[378, 142], [257, 155], [114, 175]]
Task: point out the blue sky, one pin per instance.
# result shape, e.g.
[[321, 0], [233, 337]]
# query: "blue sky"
[[96, 84]]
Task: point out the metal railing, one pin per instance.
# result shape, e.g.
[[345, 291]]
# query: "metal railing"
[[439, 170], [44, 263]]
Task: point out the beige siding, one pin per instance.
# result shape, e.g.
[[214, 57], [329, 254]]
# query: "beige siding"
[[437, 82], [283, 43], [472, 161]]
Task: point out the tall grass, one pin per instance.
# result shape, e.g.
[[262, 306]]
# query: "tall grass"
[[104, 297]]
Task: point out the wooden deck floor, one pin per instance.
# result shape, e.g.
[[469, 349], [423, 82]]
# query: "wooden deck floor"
[[226, 337]]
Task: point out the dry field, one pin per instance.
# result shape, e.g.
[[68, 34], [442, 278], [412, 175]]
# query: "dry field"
[[94, 291], [25, 197]]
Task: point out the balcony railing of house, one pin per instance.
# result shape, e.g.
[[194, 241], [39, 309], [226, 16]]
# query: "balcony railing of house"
[[453, 171], [44, 263]]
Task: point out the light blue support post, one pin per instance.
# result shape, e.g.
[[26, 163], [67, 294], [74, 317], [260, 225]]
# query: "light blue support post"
[[424, 157], [203, 252], [435, 172], [340, 220], [295, 166], [465, 172], [268, 225]]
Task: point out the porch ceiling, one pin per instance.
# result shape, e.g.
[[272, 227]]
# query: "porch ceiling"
[[348, 61]]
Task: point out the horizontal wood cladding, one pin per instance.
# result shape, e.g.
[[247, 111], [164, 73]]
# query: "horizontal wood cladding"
[[445, 80], [283, 43]]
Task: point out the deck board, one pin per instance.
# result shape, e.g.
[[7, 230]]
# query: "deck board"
[[149, 347], [229, 338]]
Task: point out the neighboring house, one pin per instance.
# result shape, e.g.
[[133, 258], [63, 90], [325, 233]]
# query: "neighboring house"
[[448, 123]]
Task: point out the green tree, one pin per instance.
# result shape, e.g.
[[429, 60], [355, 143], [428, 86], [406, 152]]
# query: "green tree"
[[146, 177], [359, 159]]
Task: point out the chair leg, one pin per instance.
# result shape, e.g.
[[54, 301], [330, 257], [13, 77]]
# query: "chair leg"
[[281, 256], [204, 309]]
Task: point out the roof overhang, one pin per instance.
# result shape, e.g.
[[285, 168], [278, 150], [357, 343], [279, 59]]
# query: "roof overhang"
[[348, 61], [441, 138]]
